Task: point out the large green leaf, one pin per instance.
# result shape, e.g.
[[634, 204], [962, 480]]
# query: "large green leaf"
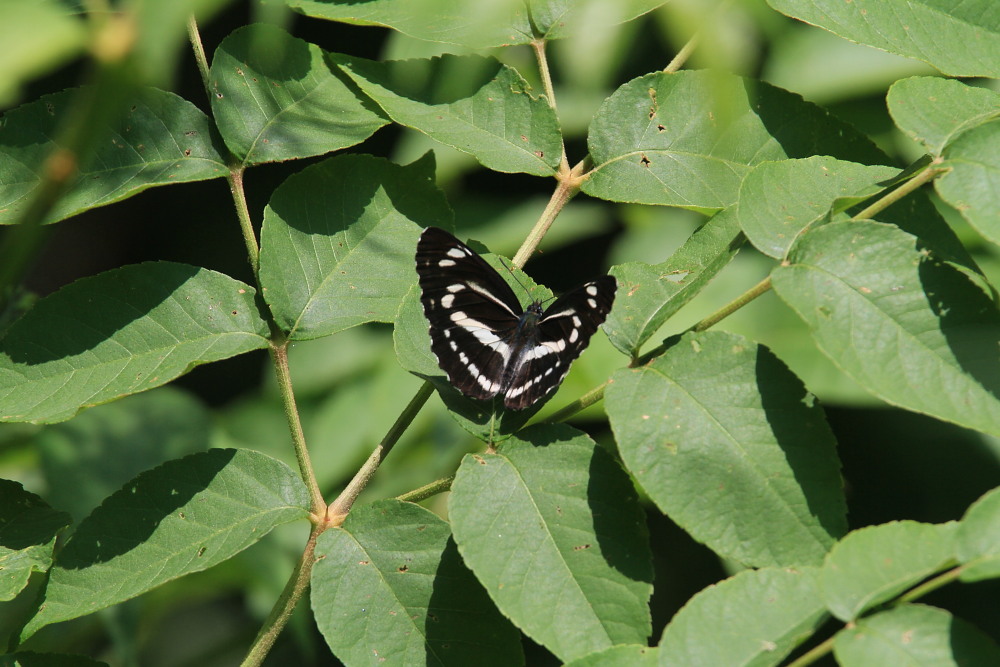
[[978, 539], [934, 111], [276, 98], [904, 325], [914, 635], [875, 564], [958, 38], [476, 24], [552, 528], [36, 36], [727, 442], [338, 241], [182, 517], [474, 104], [688, 139], [778, 201], [754, 618], [122, 332], [28, 529], [161, 139], [972, 185], [389, 585], [648, 294]]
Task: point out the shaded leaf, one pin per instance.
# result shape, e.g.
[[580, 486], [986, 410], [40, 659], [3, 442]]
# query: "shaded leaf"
[[28, 529], [649, 294], [934, 111], [726, 441], [33, 659], [182, 517], [875, 564], [903, 324], [688, 139], [160, 140], [471, 103], [915, 635], [121, 332], [325, 268], [927, 30], [756, 617], [86, 459], [552, 528], [390, 583], [276, 98]]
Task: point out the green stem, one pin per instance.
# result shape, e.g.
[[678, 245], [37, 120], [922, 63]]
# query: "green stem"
[[428, 490], [569, 184], [279, 357], [339, 508], [813, 654], [295, 588], [927, 175], [931, 585], [593, 396]]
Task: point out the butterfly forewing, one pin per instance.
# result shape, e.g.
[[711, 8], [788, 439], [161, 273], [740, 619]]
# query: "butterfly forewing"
[[483, 338]]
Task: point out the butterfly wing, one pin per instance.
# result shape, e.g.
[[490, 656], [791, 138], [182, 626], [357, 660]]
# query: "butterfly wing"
[[559, 336], [473, 313]]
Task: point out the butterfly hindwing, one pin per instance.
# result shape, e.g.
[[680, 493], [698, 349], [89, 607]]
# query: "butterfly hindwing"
[[485, 341]]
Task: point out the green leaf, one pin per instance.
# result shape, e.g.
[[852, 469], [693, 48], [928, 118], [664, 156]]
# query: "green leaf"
[[552, 528], [754, 618], [778, 201], [182, 517], [471, 103], [903, 324], [875, 564], [28, 529], [276, 98], [36, 37], [649, 294], [971, 185], [473, 23], [121, 332], [934, 111], [915, 636], [626, 655], [927, 30], [978, 539], [86, 459], [487, 420], [162, 139], [726, 441], [325, 268], [688, 139], [389, 586]]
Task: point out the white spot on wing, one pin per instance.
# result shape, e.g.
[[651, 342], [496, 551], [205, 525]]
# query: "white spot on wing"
[[591, 303], [447, 300], [445, 263], [592, 289], [574, 335], [457, 253], [457, 287]]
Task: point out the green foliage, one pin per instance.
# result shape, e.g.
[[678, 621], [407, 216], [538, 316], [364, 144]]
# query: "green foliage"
[[709, 505]]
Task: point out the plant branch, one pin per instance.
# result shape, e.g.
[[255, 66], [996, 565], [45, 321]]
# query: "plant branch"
[[194, 36], [339, 508], [569, 181], [927, 175], [813, 654], [279, 357], [678, 60], [283, 607], [428, 490], [931, 585]]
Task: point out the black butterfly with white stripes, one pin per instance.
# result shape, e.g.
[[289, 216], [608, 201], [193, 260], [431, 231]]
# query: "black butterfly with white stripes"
[[487, 343]]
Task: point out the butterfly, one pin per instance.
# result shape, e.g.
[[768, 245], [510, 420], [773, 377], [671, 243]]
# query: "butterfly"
[[485, 340]]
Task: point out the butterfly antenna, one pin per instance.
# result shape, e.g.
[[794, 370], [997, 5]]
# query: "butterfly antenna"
[[510, 269]]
